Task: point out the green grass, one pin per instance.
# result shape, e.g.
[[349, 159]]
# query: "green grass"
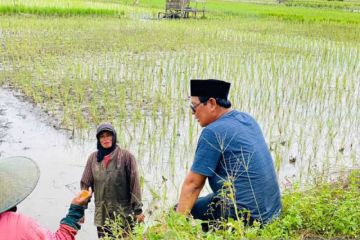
[[296, 10], [281, 12], [56, 11], [327, 210], [303, 11], [67, 8], [349, 5], [323, 211]]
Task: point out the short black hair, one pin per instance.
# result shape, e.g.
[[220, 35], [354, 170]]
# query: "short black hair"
[[225, 103]]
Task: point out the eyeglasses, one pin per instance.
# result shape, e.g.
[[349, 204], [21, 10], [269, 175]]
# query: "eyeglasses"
[[193, 107]]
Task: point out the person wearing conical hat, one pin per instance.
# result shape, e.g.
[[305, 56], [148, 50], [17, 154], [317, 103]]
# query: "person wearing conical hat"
[[18, 178], [233, 156], [112, 173]]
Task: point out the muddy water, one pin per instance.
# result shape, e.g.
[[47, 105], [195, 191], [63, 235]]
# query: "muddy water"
[[23, 131]]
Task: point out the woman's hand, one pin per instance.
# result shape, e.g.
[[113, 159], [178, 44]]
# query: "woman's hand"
[[82, 198]]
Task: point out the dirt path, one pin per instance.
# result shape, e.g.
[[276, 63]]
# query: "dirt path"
[[25, 132]]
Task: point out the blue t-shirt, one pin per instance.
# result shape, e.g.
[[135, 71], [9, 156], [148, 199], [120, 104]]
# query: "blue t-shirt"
[[233, 148]]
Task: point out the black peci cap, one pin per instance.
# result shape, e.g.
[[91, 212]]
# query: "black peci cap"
[[209, 88]]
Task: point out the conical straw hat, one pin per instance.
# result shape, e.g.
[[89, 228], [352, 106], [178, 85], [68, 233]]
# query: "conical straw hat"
[[18, 178]]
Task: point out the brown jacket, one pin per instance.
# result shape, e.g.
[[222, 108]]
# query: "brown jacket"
[[116, 188]]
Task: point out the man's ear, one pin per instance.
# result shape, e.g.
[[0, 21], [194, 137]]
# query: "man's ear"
[[212, 102]]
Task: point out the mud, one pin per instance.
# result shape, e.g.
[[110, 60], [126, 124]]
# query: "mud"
[[24, 131]]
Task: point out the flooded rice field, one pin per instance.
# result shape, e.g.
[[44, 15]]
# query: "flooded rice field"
[[303, 89], [25, 130]]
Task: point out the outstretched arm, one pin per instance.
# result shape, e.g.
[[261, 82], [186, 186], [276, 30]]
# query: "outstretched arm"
[[67, 230]]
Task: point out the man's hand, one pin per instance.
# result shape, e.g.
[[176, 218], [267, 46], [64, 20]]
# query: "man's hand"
[[140, 218]]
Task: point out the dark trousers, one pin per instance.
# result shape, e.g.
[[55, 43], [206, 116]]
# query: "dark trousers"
[[212, 209]]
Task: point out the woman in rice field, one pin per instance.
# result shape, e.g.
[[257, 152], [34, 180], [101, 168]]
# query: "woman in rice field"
[[112, 174]]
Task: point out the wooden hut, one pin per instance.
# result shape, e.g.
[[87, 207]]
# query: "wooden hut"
[[182, 8]]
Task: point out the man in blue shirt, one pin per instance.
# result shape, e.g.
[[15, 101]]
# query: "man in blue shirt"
[[233, 156]]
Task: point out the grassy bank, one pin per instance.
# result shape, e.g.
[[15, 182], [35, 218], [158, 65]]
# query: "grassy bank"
[[322, 211]]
